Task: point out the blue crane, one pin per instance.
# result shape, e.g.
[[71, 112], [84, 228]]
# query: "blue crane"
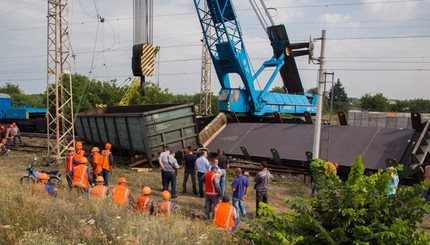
[[229, 56]]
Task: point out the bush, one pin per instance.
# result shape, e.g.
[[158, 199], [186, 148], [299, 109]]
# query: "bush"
[[358, 211]]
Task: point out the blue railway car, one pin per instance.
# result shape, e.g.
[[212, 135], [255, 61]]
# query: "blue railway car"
[[27, 118]]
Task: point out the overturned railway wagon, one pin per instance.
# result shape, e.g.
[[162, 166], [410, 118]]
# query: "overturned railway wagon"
[[143, 129], [287, 144]]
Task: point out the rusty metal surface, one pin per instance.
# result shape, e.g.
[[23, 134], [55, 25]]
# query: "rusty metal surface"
[[293, 140]]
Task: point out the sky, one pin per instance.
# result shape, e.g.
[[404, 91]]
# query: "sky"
[[373, 46]]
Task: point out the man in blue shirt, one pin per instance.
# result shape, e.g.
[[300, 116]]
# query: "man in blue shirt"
[[202, 165], [240, 189]]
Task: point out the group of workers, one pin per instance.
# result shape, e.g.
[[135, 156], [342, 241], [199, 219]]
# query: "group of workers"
[[9, 136], [211, 179]]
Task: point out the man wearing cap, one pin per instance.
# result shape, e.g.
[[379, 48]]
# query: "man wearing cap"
[[202, 165], [170, 165], [121, 194], [42, 185], [144, 204], [107, 163], [16, 133], [96, 162], [165, 206], [80, 175], [225, 215], [3, 149], [99, 191], [79, 153], [212, 190]]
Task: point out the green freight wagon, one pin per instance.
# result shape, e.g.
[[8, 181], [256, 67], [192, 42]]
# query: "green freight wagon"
[[141, 129]]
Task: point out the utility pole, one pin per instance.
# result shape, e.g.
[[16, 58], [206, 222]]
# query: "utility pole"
[[317, 131], [205, 105], [59, 118]]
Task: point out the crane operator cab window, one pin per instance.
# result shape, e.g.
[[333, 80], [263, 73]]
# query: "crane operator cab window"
[[229, 95]]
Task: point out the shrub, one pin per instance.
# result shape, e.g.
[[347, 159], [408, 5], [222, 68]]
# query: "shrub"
[[358, 211]]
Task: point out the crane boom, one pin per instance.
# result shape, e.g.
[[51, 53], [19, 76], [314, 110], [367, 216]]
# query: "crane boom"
[[229, 56]]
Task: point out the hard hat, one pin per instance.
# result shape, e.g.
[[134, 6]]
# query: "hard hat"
[[95, 149], [11, 126], [165, 195], [146, 190], [4, 141], [2, 127], [43, 176], [83, 160], [79, 145], [108, 146], [122, 180], [71, 149], [100, 179]]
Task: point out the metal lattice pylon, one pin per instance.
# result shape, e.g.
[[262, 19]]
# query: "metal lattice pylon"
[[60, 121], [205, 105]]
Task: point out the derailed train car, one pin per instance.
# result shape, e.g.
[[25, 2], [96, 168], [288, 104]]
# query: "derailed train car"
[[143, 129]]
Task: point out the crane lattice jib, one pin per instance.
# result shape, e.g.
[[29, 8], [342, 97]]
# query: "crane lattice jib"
[[225, 43]]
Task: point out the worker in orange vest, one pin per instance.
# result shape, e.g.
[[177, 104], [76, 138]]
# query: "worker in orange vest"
[[225, 215], [99, 191], [332, 168], [213, 190], [121, 194], [71, 162], [42, 185], [80, 176], [107, 163], [96, 162], [165, 206], [79, 153], [144, 204]]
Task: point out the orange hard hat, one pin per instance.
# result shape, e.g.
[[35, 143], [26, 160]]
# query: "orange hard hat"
[[165, 195], [146, 190], [122, 180], [71, 148], [43, 176], [83, 160], [79, 145], [2, 127], [108, 146], [95, 149], [11, 126], [100, 179], [4, 141]]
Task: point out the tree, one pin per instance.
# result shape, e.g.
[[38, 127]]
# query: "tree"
[[278, 90], [378, 102], [358, 211], [340, 98], [10, 89]]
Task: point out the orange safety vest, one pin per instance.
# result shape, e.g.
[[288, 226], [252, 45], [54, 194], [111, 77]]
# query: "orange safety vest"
[[332, 167], [97, 163], [224, 215], [99, 192], [105, 160], [39, 187], [78, 156], [143, 204], [120, 195], [164, 207], [80, 176], [69, 163], [209, 183]]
